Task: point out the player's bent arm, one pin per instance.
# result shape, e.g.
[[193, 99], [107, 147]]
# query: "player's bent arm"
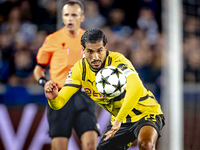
[[134, 90], [63, 96], [39, 75], [38, 72]]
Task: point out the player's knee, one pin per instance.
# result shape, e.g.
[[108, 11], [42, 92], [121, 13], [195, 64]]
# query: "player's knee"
[[90, 145], [89, 140], [146, 145]]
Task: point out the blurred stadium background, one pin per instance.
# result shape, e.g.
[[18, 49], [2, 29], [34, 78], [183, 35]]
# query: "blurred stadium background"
[[134, 28]]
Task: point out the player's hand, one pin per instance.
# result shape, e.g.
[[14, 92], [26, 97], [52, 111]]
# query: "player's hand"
[[116, 126], [51, 90]]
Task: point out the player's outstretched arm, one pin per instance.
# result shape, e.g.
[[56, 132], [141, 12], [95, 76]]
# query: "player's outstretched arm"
[[51, 90]]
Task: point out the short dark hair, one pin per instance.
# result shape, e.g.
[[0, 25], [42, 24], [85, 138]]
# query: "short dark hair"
[[93, 36], [73, 2]]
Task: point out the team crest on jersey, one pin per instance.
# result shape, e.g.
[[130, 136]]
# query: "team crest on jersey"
[[122, 66]]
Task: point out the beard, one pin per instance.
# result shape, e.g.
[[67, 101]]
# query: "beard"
[[96, 69]]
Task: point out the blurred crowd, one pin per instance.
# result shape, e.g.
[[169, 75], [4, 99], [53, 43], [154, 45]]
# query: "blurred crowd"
[[133, 28]]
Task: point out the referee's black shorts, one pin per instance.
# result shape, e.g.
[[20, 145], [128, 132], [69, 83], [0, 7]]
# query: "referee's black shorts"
[[128, 133], [78, 113]]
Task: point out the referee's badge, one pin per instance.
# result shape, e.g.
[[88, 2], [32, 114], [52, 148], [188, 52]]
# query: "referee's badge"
[[67, 51]]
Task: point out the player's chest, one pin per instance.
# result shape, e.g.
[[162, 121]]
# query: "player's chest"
[[67, 55], [90, 86], [68, 48]]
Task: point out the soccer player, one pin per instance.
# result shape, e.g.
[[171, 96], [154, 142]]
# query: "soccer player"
[[135, 114], [61, 50]]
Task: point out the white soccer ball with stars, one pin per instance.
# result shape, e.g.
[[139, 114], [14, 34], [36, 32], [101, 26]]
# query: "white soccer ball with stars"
[[110, 81]]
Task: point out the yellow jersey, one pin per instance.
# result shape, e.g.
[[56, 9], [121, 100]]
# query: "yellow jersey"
[[132, 105]]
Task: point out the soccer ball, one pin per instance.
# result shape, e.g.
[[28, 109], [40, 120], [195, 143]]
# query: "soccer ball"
[[110, 81]]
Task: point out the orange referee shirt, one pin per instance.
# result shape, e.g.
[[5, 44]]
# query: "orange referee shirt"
[[61, 52]]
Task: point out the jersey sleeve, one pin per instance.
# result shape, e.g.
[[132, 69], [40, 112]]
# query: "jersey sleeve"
[[134, 90], [125, 65], [63, 97], [134, 87], [44, 53], [72, 85]]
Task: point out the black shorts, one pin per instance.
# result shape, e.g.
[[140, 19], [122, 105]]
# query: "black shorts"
[[128, 133], [78, 113]]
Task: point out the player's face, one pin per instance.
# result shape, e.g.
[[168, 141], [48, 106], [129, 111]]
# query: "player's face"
[[95, 54], [72, 17]]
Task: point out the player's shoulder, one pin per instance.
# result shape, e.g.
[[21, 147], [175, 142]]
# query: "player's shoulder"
[[116, 55], [79, 64], [55, 34], [60, 33], [120, 61], [82, 30]]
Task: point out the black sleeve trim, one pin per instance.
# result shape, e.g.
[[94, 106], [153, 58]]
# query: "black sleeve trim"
[[145, 97], [84, 69], [137, 112], [119, 98], [109, 60], [43, 66], [73, 85]]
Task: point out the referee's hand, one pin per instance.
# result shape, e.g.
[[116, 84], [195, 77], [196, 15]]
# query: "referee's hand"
[[116, 126], [51, 90]]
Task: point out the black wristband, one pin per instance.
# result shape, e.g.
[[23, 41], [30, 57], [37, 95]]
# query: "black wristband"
[[42, 81]]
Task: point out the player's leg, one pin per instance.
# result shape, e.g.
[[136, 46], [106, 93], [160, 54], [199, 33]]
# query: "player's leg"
[[85, 123], [87, 130], [60, 125], [148, 130], [147, 138], [89, 140], [59, 143]]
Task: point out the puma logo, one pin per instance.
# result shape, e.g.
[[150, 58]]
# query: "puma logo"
[[90, 81]]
